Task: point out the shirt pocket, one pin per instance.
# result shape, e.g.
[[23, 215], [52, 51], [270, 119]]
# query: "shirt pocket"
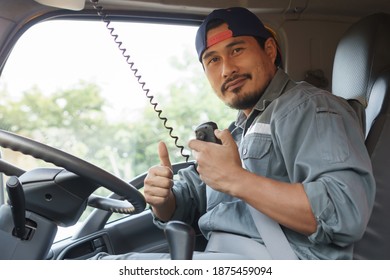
[[255, 152]]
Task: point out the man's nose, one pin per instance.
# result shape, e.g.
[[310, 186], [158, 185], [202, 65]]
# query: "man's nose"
[[229, 68]]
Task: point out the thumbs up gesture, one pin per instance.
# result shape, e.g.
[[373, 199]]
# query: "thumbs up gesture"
[[158, 184]]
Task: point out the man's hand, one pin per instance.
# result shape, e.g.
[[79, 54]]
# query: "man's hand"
[[216, 163], [158, 184]]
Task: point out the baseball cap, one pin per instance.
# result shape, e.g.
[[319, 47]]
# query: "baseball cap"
[[241, 22]]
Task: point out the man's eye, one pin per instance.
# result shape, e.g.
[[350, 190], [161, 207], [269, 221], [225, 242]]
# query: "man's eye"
[[237, 50], [213, 60]]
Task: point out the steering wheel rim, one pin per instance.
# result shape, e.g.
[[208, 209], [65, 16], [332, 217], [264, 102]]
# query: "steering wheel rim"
[[74, 164]]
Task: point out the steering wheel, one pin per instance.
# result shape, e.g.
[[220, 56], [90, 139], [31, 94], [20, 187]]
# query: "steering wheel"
[[76, 165]]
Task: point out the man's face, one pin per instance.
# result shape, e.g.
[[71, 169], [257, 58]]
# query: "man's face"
[[238, 69]]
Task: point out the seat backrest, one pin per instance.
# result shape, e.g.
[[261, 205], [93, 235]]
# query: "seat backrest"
[[361, 72]]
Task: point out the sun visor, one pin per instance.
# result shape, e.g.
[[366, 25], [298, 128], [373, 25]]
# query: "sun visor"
[[75, 5]]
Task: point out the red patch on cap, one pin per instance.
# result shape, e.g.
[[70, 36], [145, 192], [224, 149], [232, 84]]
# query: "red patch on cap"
[[219, 37]]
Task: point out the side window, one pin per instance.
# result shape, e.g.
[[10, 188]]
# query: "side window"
[[67, 84]]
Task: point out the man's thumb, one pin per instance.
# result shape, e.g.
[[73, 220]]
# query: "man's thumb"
[[164, 155], [224, 136]]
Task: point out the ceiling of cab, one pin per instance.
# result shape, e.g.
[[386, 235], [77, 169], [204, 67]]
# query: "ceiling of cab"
[[307, 8]]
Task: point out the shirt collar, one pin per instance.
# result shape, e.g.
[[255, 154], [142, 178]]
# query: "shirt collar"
[[274, 90]]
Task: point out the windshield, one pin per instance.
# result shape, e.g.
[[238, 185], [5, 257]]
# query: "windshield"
[[68, 84]]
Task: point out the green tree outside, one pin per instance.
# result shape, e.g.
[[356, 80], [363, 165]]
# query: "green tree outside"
[[76, 121]]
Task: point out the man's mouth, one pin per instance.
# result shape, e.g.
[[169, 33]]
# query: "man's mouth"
[[235, 83]]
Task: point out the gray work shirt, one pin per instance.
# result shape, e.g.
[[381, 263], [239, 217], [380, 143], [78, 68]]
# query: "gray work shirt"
[[296, 133]]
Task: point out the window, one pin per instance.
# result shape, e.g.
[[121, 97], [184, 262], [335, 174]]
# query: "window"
[[68, 85]]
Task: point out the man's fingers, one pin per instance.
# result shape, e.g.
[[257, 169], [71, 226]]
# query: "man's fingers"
[[164, 155]]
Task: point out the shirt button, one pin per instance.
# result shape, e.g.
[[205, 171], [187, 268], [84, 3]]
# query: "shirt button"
[[244, 151]]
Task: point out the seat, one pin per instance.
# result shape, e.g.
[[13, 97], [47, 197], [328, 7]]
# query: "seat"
[[361, 74]]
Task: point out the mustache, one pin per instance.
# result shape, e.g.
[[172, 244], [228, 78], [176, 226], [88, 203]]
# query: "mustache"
[[232, 78]]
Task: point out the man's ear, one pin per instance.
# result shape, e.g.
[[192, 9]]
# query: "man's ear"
[[271, 49]]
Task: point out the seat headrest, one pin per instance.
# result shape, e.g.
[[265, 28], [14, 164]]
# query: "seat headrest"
[[362, 54]]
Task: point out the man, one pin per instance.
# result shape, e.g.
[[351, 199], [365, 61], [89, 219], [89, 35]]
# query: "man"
[[296, 154]]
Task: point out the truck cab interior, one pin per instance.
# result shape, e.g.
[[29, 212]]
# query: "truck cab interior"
[[342, 46]]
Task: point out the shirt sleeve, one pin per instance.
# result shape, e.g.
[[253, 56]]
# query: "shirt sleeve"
[[323, 146]]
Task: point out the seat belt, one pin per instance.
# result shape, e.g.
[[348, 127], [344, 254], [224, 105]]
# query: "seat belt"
[[273, 236], [270, 231]]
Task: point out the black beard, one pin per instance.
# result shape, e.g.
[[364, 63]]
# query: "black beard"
[[246, 102]]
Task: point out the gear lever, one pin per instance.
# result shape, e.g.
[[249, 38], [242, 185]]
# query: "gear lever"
[[181, 240]]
